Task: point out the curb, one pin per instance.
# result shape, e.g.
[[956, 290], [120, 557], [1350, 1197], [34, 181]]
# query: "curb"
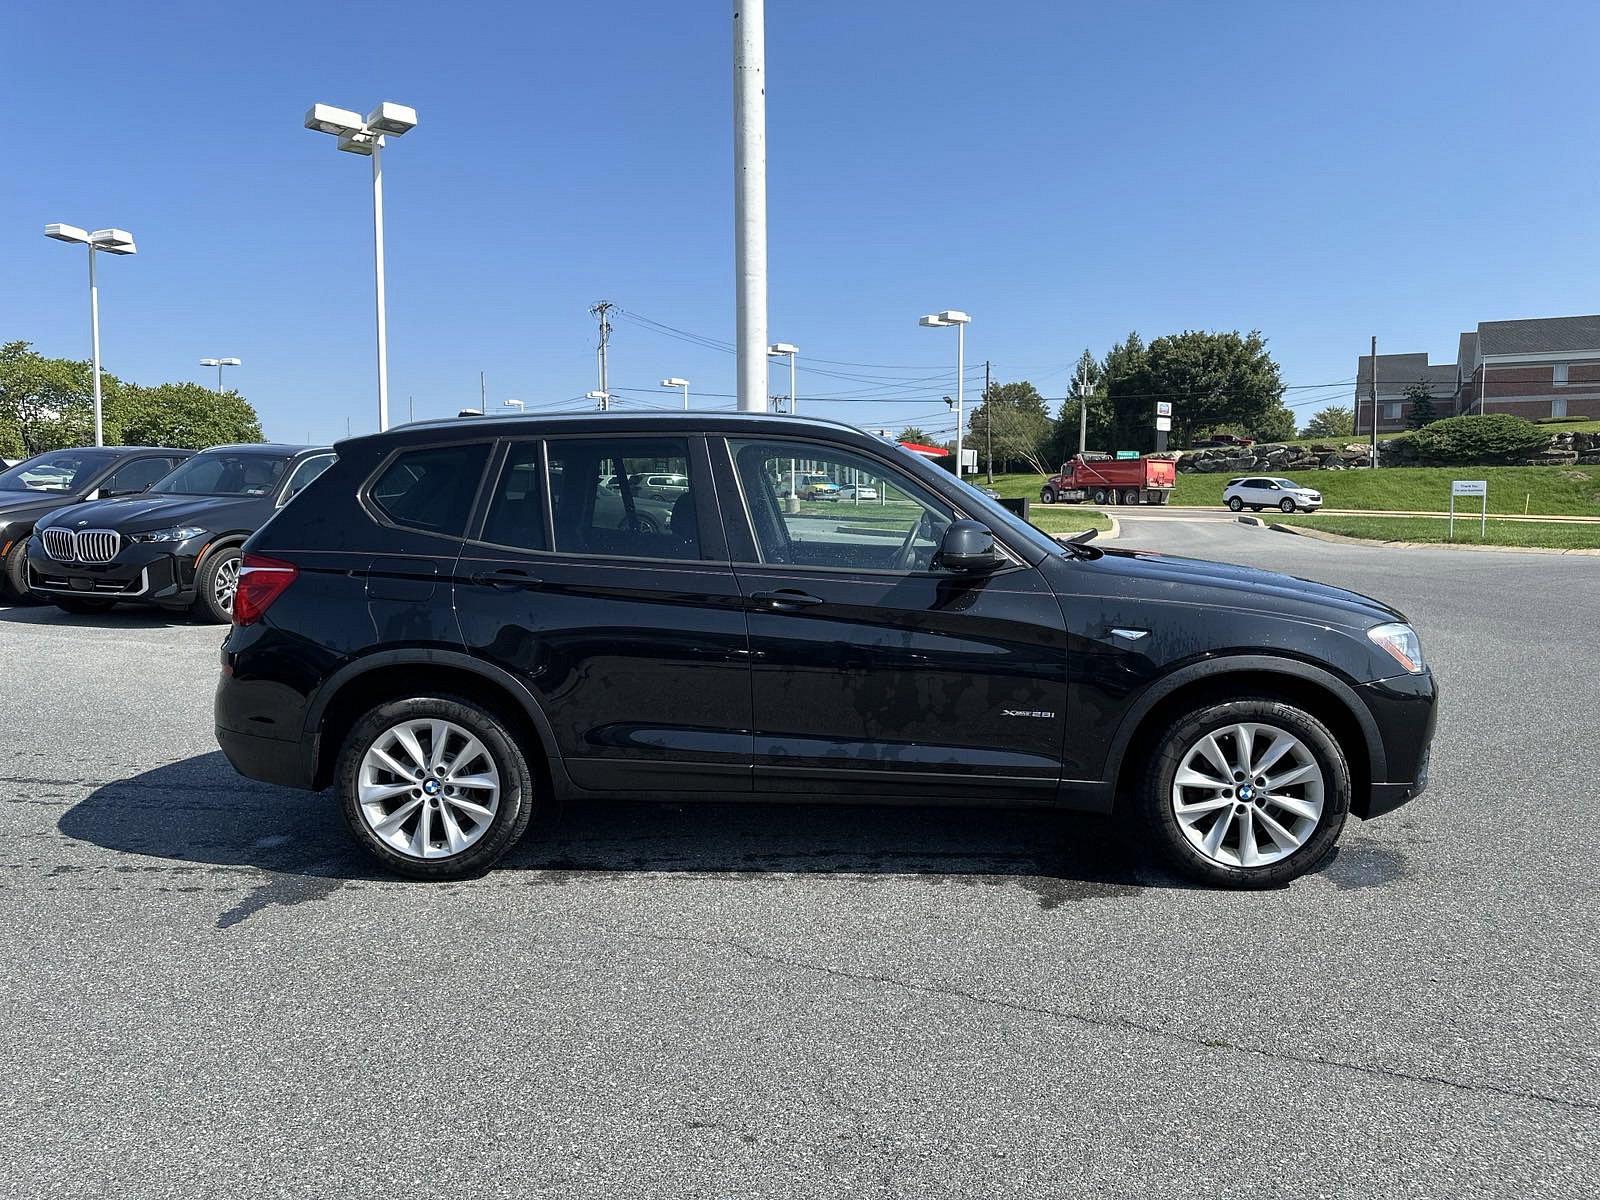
[[1322, 535]]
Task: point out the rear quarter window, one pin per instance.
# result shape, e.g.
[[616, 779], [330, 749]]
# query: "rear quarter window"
[[430, 489]]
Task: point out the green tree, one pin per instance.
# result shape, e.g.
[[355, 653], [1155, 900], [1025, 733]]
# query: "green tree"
[[914, 433], [1011, 424], [1422, 411], [47, 403], [1125, 376], [1334, 421], [185, 415], [1276, 426], [1211, 379], [1063, 442]]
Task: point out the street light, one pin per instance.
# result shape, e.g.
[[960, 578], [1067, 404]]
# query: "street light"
[[219, 363], [602, 400], [516, 404], [675, 382], [780, 350], [357, 136], [960, 320], [107, 241]]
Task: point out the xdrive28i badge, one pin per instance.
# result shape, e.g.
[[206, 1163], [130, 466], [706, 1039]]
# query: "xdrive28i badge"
[[1025, 712]]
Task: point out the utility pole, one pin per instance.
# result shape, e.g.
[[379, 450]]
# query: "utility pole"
[[599, 311], [1374, 402], [750, 203], [411, 408], [1083, 414], [483, 393], [988, 423]]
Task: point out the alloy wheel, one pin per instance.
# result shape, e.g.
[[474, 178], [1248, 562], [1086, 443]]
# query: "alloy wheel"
[[226, 584], [428, 788], [1248, 795]]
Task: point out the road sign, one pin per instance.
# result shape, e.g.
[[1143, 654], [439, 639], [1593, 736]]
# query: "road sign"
[[1127, 454], [1163, 408], [1470, 487], [1163, 424]]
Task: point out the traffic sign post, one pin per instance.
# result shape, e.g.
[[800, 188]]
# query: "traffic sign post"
[[1470, 487], [1163, 424]]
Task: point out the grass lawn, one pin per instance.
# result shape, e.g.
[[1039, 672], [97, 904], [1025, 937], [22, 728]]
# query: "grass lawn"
[[1067, 518], [1548, 491], [1430, 529]]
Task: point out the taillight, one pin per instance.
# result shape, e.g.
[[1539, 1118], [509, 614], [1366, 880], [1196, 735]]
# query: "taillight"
[[261, 581]]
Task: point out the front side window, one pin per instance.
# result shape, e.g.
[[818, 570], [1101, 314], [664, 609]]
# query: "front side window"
[[815, 505], [225, 473], [431, 490], [136, 476], [56, 471], [624, 497]]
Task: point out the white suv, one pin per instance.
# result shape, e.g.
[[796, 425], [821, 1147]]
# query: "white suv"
[[1261, 491]]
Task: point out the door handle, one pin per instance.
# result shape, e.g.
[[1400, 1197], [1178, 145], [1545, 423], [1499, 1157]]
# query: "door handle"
[[506, 579], [786, 598]]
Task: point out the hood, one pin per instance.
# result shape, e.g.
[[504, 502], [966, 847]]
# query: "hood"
[[136, 514], [1200, 581], [32, 505]]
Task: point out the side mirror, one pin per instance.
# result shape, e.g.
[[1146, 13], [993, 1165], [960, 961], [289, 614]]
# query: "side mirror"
[[968, 546]]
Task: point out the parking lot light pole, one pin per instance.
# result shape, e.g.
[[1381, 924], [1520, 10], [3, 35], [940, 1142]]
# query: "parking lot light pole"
[[365, 136], [108, 241], [513, 404], [960, 320], [675, 382], [787, 350], [219, 363], [602, 400]]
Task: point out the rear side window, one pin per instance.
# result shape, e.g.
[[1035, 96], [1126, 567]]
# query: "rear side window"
[[624, 497], [516, 509], [431, 489]]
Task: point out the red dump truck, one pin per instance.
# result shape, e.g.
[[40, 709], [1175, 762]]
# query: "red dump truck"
[[1106, 480]]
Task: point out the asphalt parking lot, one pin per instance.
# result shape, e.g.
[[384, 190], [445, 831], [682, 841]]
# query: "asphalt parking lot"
[[207, 991]]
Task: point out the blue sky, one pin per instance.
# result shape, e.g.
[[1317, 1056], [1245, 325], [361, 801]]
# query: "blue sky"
[[1064, 172]]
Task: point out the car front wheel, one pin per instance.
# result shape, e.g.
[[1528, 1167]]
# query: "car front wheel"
[[1236, 504], [1286, 505], [1246, 793], [434, 787], [216, 583], [14, 572]]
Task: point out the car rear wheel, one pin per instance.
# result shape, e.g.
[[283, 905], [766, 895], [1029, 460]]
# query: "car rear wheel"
[[1246, 793], [434, 787], [216, 584], [1047, 496], [1286, 505], [1236, 504], [80, 607], [14, 575]]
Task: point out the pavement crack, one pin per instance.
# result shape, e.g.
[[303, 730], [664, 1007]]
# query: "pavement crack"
[[1120, 1024]]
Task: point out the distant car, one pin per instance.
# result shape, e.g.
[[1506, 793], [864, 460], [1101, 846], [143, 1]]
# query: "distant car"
[[1224, 439], [856, 491], [816, 487], [177, 544], [1256, 492], [45, 483]]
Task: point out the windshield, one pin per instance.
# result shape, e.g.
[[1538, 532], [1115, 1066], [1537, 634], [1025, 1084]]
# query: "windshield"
[[57, 471], [1287, 483], [225, 473]]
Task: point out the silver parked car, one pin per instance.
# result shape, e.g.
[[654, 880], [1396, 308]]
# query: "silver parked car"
[[1256, 492]]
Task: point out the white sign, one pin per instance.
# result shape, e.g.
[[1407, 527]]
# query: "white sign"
[[1163, 408], [969, 461], [1163, 424], [1469, 487]]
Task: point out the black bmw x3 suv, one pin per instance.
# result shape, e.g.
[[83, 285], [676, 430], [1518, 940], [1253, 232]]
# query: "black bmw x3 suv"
[[464, 621], [175, 545]]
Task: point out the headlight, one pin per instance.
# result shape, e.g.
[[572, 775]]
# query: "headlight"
[[179, 533], [1401, 643]]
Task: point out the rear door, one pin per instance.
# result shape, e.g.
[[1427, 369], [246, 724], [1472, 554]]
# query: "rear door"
[[618, 607], [874, 673]]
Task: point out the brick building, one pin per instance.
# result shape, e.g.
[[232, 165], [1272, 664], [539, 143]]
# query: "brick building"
[[1540, 367]]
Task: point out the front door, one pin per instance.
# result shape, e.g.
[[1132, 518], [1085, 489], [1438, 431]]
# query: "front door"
[[874, 672], [610, 593]]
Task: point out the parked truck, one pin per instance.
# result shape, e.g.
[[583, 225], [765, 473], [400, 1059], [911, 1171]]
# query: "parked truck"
[[1106, 480]]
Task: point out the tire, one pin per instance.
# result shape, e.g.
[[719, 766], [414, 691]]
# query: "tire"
[[639, 522], [511, 799], [14, 573], [1286, 506], [1047, 496], [1255, 508], [1236, 504], [1321, 795], [1101, 496], [81, 608], [1130, 496], [215, 583]]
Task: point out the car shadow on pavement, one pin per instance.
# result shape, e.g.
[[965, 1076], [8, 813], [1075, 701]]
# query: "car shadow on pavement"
[[197, 817], [14, 613]]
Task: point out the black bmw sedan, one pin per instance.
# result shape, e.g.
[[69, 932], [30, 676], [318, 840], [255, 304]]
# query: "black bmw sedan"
[[175, 545], [55, 478]]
